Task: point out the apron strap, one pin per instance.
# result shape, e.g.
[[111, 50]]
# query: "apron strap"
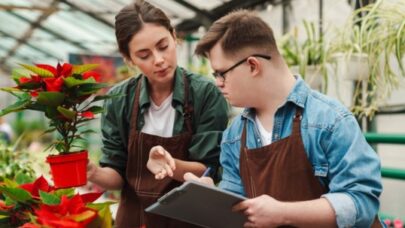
[[297, 121], [135, 108], [188, 107]]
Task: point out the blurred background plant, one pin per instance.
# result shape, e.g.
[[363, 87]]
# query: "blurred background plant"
[[14, 162], [374, 38], [307, 57]]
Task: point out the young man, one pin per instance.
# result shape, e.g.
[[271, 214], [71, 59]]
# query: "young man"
[[298, 155]]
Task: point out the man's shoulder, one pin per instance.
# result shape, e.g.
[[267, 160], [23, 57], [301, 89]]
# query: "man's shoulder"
[[322, 107], [123, 86]]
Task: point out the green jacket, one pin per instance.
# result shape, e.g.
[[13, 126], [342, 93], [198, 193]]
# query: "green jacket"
[[209, 119]]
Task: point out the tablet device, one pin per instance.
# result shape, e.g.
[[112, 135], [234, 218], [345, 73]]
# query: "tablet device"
[[200, 204]]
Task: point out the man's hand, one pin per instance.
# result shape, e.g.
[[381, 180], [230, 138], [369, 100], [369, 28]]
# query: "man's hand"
[[205, 180], [262, 211], [160, 162]]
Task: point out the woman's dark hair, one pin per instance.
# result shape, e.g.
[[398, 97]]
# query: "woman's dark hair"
[[131, 19]]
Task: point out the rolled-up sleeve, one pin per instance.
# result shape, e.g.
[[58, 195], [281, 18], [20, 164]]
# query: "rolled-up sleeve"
[[354, 175]]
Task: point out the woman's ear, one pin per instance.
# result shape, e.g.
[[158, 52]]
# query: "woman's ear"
[[129, 62]]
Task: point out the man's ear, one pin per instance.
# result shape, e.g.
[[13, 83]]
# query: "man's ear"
[[255, 65]]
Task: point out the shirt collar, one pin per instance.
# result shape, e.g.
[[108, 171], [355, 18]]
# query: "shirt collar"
[[298, 96], [178, 90]]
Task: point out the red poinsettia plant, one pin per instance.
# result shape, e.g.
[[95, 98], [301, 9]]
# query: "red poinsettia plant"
[[39, 205], [65, 94]]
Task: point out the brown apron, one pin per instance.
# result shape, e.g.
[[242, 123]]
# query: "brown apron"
[[281, 169], [141, 188]]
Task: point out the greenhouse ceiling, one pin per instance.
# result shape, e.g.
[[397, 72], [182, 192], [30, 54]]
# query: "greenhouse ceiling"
[[48, 30]]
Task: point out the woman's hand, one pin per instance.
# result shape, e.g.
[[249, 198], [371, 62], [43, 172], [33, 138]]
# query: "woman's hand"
[[160, 162], [91, 170]]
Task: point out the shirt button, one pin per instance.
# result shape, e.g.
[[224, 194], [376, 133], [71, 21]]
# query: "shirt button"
[[276, 136]]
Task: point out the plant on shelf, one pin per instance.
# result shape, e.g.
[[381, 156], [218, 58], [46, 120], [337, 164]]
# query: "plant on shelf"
[[307, 57], [66, 96], [369, 47], [14, 162], [29, 203]]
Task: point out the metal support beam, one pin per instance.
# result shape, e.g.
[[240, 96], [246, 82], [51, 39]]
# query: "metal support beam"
[[29, 45], [287, 9], [51, 32], [29, 32], [205, 17], [191, 25], [30, 8], [90, 14]]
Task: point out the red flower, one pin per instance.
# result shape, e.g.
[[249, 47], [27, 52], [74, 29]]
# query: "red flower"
[[64, 70], [69, 213], [92, 74], [53, 84], [38, 184], [30, 225], [88, 115], [33, 78], [4, 207], [34, 94]]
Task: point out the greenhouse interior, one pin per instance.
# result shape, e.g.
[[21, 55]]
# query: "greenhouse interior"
[[191, 113]]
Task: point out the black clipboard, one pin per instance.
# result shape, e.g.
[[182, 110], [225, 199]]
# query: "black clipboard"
[[201, 205]]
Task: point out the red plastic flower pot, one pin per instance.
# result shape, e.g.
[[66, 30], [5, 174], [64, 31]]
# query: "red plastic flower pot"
[[69, 170]]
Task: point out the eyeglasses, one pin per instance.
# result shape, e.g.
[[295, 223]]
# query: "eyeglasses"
[[221, 74]]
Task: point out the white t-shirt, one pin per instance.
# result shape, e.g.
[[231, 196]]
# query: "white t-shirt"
[[264, 134], [159, 120]]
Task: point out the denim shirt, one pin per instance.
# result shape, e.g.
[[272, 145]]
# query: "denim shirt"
[[340, 156]]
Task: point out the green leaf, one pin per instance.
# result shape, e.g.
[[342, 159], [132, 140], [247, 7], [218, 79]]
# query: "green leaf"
[[71, 81], [87, 89], [104, 218], [16, 107], [10, 183], [95, 109], [48, 198], [88, 131], [69, 192], [17, 194], [82, 216], [29, 85], [16, 74], [41, 72], [51, 112], [78, 69], [10, 89], [22, 178], [67, 113], [51, 98]]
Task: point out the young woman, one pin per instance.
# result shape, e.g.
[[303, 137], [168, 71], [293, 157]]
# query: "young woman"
[[169, 122]]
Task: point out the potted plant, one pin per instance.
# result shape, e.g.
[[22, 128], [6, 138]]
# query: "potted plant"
[[368, 48], [31, 203], [307, 57], [66, 95]]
